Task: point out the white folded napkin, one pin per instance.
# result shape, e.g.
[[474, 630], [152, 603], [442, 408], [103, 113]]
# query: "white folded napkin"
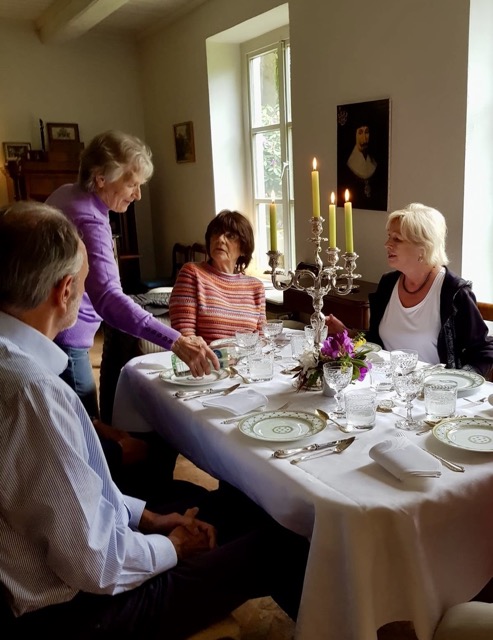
[[403, 459], [238, 402]]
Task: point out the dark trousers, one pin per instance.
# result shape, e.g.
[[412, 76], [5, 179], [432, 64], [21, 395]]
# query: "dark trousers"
[[255, 557]]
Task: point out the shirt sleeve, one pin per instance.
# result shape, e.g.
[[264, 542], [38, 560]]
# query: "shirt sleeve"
[[183, 307], [104, 289], [61, 503]]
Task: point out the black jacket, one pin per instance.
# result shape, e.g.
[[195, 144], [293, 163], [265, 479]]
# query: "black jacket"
[[463, 341]]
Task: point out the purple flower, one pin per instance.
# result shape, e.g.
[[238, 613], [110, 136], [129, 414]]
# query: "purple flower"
[[338, 346], [362, 373]]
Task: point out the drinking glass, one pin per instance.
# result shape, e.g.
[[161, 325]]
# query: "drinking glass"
[[381, 375], [440, 399], [408, 384], [246, 340], [261, 365], [272, 329], [361, 407], [338, 375], [403, 360], [310, 334]]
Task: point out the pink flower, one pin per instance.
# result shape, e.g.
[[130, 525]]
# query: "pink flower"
[[338, 346]]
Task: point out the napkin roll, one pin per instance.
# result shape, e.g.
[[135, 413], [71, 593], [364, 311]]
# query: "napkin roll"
[[403, 459], [238, 402]]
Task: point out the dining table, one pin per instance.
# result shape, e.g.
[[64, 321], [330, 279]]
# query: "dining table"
[[381, 549]]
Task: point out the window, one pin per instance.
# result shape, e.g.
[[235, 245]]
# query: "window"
[[270, 134]]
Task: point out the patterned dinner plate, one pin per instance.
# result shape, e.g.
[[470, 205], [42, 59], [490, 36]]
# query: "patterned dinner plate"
[[473, 434], [189, 381], [369, 346], [281, 426], [467, 381]]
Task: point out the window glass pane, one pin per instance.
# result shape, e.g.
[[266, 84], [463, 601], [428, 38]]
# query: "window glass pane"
[[267, 164], [264, 89], [287, 80]]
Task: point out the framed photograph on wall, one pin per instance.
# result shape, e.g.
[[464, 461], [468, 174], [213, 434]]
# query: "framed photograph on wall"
[[15, 150], [62, 132], [363, 153], [184, 142]]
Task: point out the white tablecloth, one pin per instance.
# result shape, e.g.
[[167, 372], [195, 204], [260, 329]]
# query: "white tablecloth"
[[381, 550]]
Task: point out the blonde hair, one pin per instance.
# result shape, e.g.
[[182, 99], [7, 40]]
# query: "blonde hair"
[[425, 227]]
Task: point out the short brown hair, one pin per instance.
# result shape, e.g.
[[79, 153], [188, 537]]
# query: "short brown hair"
[[234, 222]]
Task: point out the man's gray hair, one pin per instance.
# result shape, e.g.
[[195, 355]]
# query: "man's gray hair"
[[113, 154], [38, 247], [425, 227]]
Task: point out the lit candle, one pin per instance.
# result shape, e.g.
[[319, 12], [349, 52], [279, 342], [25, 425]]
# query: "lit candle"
[[348, 219], [273, 223], [332, 221], [315, 190]]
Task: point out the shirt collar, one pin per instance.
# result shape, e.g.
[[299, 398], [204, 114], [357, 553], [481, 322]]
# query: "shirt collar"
[[40, 348]]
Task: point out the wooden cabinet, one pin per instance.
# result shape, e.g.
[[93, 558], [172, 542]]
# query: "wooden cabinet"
[[353, 310]]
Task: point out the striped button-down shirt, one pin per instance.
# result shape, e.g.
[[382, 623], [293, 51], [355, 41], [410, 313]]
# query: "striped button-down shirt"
[[64, 525]]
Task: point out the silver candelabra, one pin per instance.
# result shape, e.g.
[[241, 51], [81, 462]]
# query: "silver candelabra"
[[324, 279]]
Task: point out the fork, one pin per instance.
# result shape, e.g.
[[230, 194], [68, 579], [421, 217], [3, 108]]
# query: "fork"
[[234, 372], [478, 401], [252, 413], [339, 448]]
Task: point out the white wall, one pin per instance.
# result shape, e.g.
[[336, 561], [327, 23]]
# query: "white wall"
[[93, 81], [413, 51]]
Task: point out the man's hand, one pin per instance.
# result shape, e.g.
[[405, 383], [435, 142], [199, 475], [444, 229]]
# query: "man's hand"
[[198, 356], [188, 535]]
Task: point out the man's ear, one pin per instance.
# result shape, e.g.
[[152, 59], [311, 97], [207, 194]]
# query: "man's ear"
[[62, 292]]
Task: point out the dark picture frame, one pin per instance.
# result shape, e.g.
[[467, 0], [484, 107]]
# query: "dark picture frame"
[[184, 142], [15, 150], [61, 132], [363, 153]]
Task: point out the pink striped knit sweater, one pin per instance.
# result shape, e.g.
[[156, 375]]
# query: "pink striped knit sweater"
[[212, 304]]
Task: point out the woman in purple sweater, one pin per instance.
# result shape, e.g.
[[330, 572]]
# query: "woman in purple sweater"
[[112, 170]]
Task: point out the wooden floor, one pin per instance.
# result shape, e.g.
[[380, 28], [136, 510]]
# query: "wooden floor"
[[259, 619]]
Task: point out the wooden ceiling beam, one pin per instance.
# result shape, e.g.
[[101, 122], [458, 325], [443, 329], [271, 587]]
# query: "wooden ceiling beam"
[[68, 19]]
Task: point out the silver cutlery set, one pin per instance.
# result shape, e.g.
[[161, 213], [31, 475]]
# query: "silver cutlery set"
[[312, 450]]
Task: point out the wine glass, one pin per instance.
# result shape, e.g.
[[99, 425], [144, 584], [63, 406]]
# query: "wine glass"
[[272, 329], [338, 375], [407, 385], [403, 360]]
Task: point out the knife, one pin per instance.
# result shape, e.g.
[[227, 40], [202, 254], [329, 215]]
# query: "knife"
[[191, 395], [285, 453]]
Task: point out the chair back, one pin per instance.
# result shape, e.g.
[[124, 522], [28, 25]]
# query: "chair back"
[[180, 255], [486, 310], [198, 252]]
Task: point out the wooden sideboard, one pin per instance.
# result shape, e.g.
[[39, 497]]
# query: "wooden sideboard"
[[353, 310]]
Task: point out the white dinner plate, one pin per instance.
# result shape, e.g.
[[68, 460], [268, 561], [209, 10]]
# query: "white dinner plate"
[[467, 381], [473, 434], [189, 381], [281, 426], [369, 346], [223, 342]]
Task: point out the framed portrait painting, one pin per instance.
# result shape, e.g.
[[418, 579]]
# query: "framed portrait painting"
[[15, 150], [184, 142], [363, 147]]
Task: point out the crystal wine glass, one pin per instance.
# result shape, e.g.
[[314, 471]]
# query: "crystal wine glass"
[[338, 375], [272, 329], [407, 385], [403, 360]]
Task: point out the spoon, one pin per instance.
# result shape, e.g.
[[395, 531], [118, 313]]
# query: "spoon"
[[325, 416], [234, 372]]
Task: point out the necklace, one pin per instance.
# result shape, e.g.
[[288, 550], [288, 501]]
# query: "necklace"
[[419, 288]]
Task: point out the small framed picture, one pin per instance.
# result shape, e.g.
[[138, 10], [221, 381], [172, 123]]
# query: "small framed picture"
[[184, 142], [15, 150], [62, 132]]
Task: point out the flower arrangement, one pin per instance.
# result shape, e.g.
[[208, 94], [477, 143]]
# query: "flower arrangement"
[[336, 348]]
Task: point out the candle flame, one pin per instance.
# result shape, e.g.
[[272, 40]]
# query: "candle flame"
[[314, 164], [346, 195], [272, 196], [332, 198]]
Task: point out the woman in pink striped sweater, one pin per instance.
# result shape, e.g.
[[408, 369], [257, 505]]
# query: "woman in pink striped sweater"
[[214, 299]]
